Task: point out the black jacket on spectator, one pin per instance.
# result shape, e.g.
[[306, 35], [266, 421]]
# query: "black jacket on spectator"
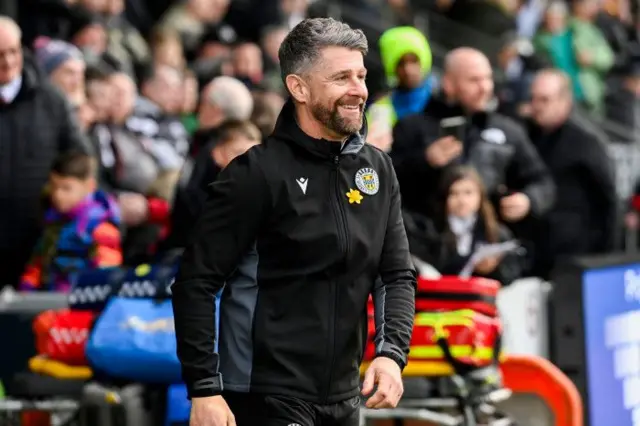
[[34, 129], [495, 145], [584, 216], [191, 196], [430, 242]]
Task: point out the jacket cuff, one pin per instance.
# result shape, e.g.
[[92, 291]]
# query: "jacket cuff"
[[205, 387], [401, 361]]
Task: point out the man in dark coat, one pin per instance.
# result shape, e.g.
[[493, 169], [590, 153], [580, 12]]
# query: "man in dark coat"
[[584, 217], [36, 125], [516, 178]]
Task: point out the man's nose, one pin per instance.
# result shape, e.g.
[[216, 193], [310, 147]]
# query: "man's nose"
[[359, 89]]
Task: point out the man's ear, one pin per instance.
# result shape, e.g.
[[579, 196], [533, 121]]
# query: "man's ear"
[[447, 86], [298, 88]]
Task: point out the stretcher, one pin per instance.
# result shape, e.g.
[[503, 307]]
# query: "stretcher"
[[522, 375]]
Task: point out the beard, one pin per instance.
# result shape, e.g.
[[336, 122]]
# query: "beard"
[[331, 118]]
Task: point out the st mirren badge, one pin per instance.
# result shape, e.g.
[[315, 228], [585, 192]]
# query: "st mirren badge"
[[367, 181]]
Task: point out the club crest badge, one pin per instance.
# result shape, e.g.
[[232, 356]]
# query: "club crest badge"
[[367, 181]]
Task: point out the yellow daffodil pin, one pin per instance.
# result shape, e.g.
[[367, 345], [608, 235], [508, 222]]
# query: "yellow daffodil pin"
[[354, 196]]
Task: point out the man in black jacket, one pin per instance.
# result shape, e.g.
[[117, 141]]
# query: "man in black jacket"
[[584, 217], [300, 231], [36, 125], [515, 176]]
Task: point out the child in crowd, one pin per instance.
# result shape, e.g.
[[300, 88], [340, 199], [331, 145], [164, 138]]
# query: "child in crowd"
[[80, 228], [466, 218]]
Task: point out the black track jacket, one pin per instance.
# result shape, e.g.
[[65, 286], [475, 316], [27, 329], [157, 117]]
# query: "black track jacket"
[[298, 231]]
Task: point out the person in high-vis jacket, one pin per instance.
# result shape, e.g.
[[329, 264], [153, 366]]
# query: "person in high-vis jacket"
[[299, 231], [407, 59]]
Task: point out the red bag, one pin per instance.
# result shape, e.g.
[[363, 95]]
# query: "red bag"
[[62, 335], [462, 337], [452, 293]]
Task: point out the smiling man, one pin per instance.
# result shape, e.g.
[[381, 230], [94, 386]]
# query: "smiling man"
[[299, 231]]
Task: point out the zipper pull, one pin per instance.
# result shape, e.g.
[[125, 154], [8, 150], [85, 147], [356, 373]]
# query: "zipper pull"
[[336, 160]]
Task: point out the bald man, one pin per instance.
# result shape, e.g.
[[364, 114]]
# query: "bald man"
[[36, 125], [582, 220], [515, 176]]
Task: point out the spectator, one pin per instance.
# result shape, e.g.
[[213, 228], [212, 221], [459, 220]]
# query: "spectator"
[[266, 108], [89, 33], [247, 64], [132, 170], [27, 151], [166, 49], [614, 20], [81, 227], [191, 19], [464, 220], [554, 42], [126, 44], [157, 117], [622, 102], [517, 63], [515, 176], [583, 219], [225, 98], [64, 65], [235, 137], [593, 53], [407, 59]]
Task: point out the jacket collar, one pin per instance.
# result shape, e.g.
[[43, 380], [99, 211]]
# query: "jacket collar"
[[288, 130]]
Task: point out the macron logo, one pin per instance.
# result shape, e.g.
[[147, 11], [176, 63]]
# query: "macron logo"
[[302, 183]]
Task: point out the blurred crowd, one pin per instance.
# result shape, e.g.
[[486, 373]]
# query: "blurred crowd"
[[115, 115]]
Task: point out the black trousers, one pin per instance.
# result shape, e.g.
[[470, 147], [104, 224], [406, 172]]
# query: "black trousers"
[[252, 409]]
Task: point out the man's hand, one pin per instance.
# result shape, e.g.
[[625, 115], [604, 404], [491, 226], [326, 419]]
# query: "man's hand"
[[442, 151], [514, 207], [386, 374], [488, 265], [211, 411], [134, 208]]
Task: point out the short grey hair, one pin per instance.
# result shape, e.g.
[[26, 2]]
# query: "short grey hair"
[[10, 24], [231, 96], [303, 45]]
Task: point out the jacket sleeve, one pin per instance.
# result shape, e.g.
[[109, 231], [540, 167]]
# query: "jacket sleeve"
[[528, 172], [394, 293], [225, 230], [598, 169]]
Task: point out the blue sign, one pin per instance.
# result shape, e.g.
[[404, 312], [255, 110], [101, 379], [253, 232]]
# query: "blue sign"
[[611, 299]]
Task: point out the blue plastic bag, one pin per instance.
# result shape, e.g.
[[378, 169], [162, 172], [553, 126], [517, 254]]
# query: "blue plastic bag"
[[178, 406], [135, 339]]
